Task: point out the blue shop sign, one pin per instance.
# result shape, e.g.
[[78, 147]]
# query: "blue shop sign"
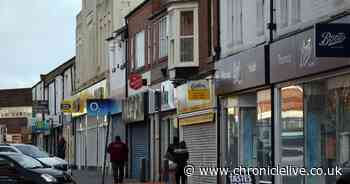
[[103, 107]]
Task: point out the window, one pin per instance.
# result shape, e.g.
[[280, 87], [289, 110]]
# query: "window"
[[132, 51], [186, 36], [289, 12], [7, 149], [5, 164], [163, 46], [284, 13], [237, 22], [182, 24], [140, 49], [260, 17], [149, 43], [243, 24], [247, 131]]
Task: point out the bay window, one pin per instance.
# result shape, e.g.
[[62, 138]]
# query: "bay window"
[[183, 35]]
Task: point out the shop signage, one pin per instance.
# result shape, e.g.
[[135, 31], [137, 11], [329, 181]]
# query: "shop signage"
[[194, 96], [135, 81], [39, 126], [134, 107], [332, 40], [204, 118], [241, 71], [294, 57], [15, 112], [241, 179], [67, 106], [40, 106], [102, 107], [199, 90]]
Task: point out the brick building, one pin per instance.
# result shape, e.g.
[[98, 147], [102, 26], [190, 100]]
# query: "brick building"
[[15, 114], [170, 45]]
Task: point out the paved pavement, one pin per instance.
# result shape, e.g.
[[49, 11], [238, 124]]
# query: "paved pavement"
[[93, 177]]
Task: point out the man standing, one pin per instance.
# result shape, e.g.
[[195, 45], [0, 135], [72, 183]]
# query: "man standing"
[[118, 155], [61, 147], [177, 153]]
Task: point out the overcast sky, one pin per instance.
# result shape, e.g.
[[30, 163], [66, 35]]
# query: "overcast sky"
[[35, 37]]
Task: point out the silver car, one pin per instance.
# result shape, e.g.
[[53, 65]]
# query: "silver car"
[[38, 154]]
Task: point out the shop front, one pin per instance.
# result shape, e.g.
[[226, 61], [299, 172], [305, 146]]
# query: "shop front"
[[311, 106], [135, 116], [245, 112], [197, 127], [89, 132], [168, 128]]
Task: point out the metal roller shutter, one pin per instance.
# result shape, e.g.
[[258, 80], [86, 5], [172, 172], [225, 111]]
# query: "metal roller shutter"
[[201, 143], [140, 150], [91, 147]]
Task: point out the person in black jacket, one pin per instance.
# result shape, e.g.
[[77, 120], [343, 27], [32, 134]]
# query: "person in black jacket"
[[177, 152], [61, 148]]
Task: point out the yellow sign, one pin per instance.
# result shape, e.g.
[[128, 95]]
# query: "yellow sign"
[[67, 106], [194, 96], [203, 118], [198, 94]]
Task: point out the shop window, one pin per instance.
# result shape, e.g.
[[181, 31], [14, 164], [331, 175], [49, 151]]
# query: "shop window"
[[292, 130], [168, 132], [247, 130], [314, 127]]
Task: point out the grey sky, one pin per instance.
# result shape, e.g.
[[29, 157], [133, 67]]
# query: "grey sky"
[[35, 37]]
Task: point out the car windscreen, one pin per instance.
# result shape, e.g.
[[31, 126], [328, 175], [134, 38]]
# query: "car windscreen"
[[32, 151], [26, 161]]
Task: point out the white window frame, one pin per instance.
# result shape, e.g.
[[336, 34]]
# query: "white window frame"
[[140, 49], [243, 24], [163, 39], [174, 50]]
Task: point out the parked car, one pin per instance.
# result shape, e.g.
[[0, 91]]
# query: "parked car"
[[17, 168], [38, 154]]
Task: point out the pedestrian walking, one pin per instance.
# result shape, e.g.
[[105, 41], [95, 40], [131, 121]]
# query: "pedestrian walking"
[[178, 154], [118, 155], [61, 147]]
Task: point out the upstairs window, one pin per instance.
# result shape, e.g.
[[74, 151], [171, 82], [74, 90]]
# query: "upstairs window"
[[163, 40], [289, 12], [243, 24], [140, 49], [183, 35], [186, 36]]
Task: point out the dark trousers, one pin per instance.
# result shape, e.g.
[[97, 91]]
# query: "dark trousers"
[[118, 171], [180, 175]]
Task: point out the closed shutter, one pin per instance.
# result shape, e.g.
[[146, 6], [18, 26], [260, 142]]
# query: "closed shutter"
[[201, 143], [80, 149], [140, 145], [92, 146]]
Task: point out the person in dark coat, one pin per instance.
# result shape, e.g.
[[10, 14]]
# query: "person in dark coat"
[[177, 152], [61, 147], [118, 155]]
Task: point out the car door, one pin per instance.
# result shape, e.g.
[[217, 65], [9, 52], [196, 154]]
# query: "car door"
[[8, 172]]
